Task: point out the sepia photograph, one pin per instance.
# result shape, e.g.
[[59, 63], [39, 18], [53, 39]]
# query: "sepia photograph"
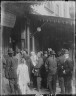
[[37, 47]]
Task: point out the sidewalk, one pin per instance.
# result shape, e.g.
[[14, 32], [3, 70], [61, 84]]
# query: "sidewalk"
[[6, 89]]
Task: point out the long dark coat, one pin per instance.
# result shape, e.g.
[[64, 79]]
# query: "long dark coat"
[[11, 68], [60, 63], [68, 67], [52, 65]]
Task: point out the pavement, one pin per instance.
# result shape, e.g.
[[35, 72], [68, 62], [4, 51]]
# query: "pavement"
[[6, 89]]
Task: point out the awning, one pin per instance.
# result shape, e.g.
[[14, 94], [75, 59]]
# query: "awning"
[[51, 19]]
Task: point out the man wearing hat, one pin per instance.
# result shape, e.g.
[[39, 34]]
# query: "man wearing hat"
[[10, 71], [68, 72], [65, 68], [60, 68], [51, 63]]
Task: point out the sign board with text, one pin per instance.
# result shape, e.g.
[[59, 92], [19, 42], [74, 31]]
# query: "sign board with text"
[[8, 19]]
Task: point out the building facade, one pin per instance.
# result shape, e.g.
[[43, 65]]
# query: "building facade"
[[56, 8], [22, 34]]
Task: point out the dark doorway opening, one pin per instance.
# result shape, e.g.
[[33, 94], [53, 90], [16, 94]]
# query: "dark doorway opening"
[[55, 36]]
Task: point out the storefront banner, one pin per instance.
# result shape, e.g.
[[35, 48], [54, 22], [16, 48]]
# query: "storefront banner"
[[7, 19]]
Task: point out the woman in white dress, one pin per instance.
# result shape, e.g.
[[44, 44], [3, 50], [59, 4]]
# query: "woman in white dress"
[[23, 76]]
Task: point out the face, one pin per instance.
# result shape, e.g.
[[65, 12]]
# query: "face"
[[23, 61], [66, 55], [45, 55]]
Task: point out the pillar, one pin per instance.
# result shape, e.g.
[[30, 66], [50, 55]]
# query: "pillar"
[[22, 39], [33, 43], [28, 39], [25, 37]]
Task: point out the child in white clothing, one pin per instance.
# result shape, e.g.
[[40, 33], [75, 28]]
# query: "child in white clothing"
[[23, 76]]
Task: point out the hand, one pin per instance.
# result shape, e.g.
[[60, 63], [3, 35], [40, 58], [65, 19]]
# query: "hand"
[[33, 71], [64, 72]]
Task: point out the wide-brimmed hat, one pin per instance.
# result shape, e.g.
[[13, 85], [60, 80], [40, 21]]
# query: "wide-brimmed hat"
[[10, 50]]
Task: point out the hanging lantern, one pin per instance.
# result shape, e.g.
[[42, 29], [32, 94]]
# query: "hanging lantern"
[[38, 29]]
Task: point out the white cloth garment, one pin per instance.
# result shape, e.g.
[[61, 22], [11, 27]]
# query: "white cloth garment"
[[23, 77]]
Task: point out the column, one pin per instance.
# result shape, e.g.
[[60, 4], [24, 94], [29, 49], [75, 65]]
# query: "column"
[[25, 38], [22, 39], [33, 44], [28, 39]]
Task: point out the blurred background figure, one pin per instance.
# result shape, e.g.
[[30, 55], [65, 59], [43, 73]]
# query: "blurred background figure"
[[18, 55]]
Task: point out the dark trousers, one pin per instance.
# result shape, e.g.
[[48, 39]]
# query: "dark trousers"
[[14, 87], [44, 82], [52, 83], [34, 79], [39, 83], [61, 84], [68, 85]]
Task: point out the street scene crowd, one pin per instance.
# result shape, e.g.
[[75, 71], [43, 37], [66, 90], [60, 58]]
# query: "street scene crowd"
[[38, 70]]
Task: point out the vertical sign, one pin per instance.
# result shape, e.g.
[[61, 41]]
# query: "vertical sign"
[[7, 19]]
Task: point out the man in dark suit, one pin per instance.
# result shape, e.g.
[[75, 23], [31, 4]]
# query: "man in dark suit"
[[10, 71], [65, 69], [51, 63], [68, 72]]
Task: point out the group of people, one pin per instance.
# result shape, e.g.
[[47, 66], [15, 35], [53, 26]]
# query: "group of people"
[[41, 70]]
